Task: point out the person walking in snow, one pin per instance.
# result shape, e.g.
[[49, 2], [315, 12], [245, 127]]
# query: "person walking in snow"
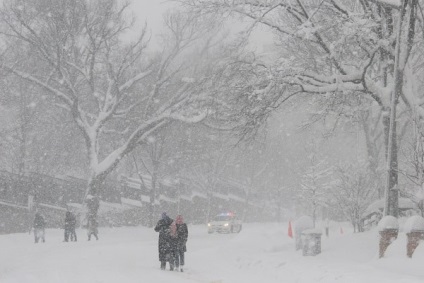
[[73, 227], [39, 227], [173, 239], [164, 243], [181, 248], [70, 223], [92, 228]]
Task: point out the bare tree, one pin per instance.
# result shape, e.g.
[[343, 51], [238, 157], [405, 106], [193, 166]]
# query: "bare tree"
[[332, 49], [209, 173], [352, 192], [112, 90], [315, 183], [152, 161]]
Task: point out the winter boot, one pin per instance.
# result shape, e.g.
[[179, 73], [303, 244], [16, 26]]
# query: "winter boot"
[[181, 268], [171, 267], [163, 265]]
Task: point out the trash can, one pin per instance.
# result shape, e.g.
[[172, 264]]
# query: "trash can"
[[414, 238], [387, 236], [300, 225], [311, 240]]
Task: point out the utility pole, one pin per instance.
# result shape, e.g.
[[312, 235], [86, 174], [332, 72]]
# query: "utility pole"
[[404, 42], [391, 195]]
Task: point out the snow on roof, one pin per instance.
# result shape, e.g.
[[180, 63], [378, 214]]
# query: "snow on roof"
[[414, 223], [388, 222]]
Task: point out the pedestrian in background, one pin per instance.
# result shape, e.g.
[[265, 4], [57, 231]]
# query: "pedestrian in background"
[[70, 223], [164, 243], [182, 236], [39, 227]]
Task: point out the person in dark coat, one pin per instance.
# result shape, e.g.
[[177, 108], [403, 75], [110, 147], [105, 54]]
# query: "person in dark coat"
[[164, 244], [70, 223], [92, 228], [39, 227], [182, 236], [174, 245]]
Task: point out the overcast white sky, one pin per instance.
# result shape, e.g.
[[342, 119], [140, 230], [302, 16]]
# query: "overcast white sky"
[[151, 11]]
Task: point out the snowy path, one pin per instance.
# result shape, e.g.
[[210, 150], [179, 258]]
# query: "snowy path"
[[260, 253]]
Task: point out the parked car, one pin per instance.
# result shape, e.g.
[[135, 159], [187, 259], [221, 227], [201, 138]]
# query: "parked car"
[[225, 223]]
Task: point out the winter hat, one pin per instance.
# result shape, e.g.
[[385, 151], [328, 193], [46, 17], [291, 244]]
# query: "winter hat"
[[179, 219], [164, 215]]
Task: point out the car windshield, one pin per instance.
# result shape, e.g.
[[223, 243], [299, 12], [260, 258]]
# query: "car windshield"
[[222, 218]]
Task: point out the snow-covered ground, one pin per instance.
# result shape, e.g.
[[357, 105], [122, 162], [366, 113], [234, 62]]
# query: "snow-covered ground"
[[260, 253]]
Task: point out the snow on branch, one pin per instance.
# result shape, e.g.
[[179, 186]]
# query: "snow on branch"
[[33, 79], [390, 3], [142, 132], [192, 119], [342, 86], [128, 84]]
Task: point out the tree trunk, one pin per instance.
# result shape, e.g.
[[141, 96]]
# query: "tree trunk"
[[92, 197], [392, 197], [402, 51], [371, 142]]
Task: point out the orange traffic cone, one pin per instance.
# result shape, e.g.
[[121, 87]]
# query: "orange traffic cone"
[[290, 232]]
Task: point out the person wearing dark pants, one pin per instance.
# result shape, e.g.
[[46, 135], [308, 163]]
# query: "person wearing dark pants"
[[164, 244], [92, 228], [70, 222], [39, 228], [73, 234], [182, 236]]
